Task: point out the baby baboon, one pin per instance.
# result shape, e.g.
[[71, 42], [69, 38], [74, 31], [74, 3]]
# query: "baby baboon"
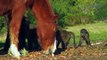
[[84, 35], [32, 37], [63, 37], [28, 33]]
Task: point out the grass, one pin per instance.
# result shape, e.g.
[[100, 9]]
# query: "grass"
[[2, 40], [97, 31]]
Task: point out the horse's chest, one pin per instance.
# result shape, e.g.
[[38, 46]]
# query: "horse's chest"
[[3, 10], [5, 5]]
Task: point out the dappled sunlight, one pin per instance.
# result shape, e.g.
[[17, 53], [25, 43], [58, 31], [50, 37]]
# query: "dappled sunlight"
[[95, 27], [2, 38]]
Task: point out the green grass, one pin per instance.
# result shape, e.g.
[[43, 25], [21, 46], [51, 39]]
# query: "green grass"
[[97, 31], [2, 40]]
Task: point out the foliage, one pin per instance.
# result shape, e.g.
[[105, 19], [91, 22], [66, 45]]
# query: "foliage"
[[72, 12], [2, 25], [24, 52], [30, 17], [101, 9]]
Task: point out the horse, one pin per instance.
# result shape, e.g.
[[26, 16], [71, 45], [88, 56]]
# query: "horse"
[[28, 33], [46, 25]]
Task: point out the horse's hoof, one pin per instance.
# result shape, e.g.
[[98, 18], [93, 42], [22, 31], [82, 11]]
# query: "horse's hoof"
[[53, 48], [13, 51], [45, 52]]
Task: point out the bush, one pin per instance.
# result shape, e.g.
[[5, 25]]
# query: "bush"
[[73, 12]]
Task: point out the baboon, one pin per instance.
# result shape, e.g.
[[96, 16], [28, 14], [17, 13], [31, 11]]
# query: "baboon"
[[28, 33], [23, 34], [63, 37], [33, 42], [84, 35]]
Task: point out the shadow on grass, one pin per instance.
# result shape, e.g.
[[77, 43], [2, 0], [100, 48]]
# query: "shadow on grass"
[[1, 44], [2, 52]]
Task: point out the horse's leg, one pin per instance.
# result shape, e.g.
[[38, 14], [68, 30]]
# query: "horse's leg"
[[45, 24], [17, 14]]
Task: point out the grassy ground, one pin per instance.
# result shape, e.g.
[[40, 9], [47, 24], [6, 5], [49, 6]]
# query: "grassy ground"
[[97, 31], [82, 53]]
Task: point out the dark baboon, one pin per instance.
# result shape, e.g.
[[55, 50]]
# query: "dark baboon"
[[28, 33], [32, 37], [84, 35], [63, 37]]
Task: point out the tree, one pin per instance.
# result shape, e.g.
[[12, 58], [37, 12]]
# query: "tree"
[[101, 9], [74, 11]]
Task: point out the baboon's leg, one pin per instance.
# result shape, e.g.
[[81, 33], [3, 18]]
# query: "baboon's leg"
[[80, 41], [24, 29], [58, 43], [30, 44], [88, 41], [74, 41], [67, 43], [64, 46], [22, 42]]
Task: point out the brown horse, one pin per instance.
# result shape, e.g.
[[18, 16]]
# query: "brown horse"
[[46, 26]]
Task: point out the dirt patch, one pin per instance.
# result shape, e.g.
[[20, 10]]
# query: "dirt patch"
[[81, 53]]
